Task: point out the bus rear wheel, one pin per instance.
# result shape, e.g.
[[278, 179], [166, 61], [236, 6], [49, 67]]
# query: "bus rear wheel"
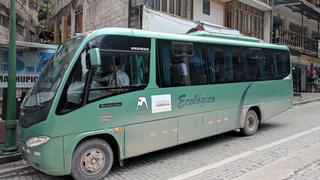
[[251, 123], [92, 159]]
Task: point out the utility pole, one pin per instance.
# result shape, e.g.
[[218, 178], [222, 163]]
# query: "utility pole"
[[10, 146]]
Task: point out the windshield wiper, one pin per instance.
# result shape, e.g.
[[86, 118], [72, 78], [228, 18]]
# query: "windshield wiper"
[[37, 101]]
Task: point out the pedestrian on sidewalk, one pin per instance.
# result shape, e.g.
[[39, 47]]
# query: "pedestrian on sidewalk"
[[312, 76]]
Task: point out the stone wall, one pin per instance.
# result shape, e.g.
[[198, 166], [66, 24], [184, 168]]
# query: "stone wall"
[[27, 18], [96, 14], [105, 13]]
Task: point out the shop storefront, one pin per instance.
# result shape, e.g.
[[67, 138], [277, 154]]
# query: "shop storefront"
[[300, 68]]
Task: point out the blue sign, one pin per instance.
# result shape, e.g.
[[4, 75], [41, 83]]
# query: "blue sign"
[[30, 62]]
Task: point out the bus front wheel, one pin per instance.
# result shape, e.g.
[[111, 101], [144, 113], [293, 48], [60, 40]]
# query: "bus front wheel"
[[92, 159], [251, 123]]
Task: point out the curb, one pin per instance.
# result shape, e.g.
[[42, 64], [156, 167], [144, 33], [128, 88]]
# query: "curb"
[[8, 171], [10, 158], [306, 101]]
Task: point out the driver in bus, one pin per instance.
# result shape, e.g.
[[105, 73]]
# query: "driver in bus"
[[117, 78]]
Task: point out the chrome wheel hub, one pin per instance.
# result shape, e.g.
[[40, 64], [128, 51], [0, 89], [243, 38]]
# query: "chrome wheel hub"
[[251, 123], [92, 161]]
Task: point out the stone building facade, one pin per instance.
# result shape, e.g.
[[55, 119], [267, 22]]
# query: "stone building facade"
[[297, 25], [75, 16], [252, 18], [27, 19]]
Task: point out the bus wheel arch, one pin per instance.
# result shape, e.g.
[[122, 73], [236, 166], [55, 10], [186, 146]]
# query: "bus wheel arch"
[[105, 143], [111, 140], [251, 121], [257, 110]]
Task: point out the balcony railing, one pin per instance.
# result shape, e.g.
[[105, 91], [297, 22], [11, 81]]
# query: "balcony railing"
[[295, 41], [268, 2]]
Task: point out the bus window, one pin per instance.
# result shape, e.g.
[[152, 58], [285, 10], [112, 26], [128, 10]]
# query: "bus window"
[[118, 73], [225, 64], [270, 66], [237, 65], [182, 49], [211, 64], [220, 67], [254, 64], [181, 66], [196, 67], [72, 96], [282, 63]]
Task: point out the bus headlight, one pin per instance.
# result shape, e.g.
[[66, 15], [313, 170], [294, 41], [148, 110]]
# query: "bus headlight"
[[37, 141]]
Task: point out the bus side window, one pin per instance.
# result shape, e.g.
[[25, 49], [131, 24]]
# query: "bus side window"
[[220, 66], [254, 64], [198, 74], [282, 61], [211, 64], [237, 65], [269, 66], [181, 64], [119, 73]]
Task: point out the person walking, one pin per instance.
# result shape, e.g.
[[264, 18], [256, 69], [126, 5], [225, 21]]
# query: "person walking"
[[312, 76]]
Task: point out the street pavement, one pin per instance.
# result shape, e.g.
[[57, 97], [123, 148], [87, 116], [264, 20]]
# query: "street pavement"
[[285, 147]]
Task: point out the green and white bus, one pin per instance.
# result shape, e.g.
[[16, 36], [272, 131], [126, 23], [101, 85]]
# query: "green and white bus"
[[116, 93]]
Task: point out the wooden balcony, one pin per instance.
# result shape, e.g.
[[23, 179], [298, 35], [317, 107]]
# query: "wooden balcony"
[[296, 41]]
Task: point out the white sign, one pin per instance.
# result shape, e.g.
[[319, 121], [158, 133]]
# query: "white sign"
[[161, 103]]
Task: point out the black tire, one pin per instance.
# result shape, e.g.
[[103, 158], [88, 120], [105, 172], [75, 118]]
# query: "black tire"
[[251, 124], [97, 152]]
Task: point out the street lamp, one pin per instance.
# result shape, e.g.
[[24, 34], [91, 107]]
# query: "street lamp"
[[10, 146]]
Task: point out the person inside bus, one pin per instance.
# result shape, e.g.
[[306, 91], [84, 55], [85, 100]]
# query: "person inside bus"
[[117, 78]]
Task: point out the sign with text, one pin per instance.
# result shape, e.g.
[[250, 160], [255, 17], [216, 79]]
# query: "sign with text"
[[30, 62]]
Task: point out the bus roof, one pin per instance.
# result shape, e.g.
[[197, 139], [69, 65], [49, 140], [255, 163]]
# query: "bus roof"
[[199, 36]]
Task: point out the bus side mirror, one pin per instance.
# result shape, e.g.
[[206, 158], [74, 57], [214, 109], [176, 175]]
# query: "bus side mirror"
[[95, 58]]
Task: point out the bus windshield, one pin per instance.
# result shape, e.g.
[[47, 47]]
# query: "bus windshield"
[[52, 73]]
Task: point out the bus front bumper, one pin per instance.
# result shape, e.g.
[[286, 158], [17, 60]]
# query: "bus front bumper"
[[47, 158]]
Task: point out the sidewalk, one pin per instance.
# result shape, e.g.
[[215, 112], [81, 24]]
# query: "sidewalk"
[[302, 98], [7, 158], [304, 164]]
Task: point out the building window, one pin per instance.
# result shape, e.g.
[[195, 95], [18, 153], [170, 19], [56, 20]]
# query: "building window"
[[295, 27], [206, 7], [315, 35], [246, 19], [164, 6], [20, 29], [150, 4], [171, 7], [79, 21], [183, 8], [4, 21], [157, 5], [178, 7], [33, 4]]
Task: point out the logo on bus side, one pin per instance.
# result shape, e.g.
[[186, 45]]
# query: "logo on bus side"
[[142, 104], [185, 101]]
